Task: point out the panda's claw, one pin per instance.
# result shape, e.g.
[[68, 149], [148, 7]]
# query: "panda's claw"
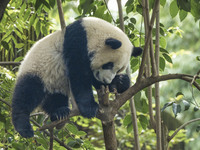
[[59, 114]]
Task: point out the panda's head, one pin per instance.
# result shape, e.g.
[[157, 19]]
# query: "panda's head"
[[109, 49]]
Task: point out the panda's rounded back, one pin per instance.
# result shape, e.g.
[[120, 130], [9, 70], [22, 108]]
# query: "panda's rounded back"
[[45, 60], [98, 31]]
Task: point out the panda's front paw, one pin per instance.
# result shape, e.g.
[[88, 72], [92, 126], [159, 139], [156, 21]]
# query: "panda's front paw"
[[59, 114], [88, 110]]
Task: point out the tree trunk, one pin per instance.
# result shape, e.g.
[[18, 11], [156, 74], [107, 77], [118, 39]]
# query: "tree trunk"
[[109, 135]]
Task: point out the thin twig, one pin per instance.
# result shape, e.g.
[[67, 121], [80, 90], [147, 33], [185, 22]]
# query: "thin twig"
[[61, 15], [5, 102], [181, 127], [9, 63], [109, 11], [195, 76]]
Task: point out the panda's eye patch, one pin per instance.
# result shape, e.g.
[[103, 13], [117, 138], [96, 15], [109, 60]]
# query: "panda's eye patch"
[[108, 66]]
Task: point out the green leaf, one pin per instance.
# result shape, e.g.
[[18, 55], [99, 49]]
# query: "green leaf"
[[163, 50], [129, 9], [166, 105], [38, 4], [184, 4], [129, 128], [143, 121], [52, 3], [163, 2], [176, 109], [198, 128], [163, 42], [74, 144], [196, 108], [186, 105], [167, 57], [44, 30], [37, 28], [46, 3], [198, 58], [129, 2], [100, 11], [43, 142], [27, 14], [133, 20], [18, 146], [127, 120], [32, 20], [131, 26], [22, 9], [182, 14], [162, 64], [139, 9], [5, 45], [81, 133], [18, 59], [173, 8], [179, 93], [195, 9], [19, 45], [72, 128]]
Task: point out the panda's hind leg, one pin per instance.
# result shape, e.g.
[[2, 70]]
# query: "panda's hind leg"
[[28, 94], [56, 106]]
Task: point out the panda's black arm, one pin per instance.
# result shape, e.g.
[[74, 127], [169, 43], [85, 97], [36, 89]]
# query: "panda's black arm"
[[77, 62], [121, 83]]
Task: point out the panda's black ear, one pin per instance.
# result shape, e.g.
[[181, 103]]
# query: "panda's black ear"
[[137, 51], [113, 43]]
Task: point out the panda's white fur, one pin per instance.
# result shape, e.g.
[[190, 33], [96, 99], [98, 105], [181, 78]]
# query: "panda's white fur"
[[45, 59]]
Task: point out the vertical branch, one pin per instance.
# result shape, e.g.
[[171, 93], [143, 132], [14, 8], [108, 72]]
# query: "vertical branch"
[[121, 18], [132, 103], [157, 94], [108, 125], [144, 56], [109, 135], [148, 70], [51, 139], [61, 15]]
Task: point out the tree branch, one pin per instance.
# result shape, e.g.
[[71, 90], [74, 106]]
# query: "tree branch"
[[54, 137], [157, 89], [143, 83], [181, 127], [9, 63], [148, 69]]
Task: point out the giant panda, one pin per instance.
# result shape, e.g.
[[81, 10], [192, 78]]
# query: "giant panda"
[[89, 52]]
